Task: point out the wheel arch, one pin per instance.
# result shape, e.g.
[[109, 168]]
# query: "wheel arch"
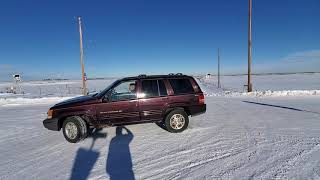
[[184, 108], [86, 118]]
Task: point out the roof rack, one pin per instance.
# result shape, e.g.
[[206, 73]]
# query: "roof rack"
[[177, 74], [142, 75]]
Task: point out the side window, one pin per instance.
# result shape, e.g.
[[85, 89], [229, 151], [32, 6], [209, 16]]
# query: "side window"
[[124, 91], [162, 88], [150, 88], [181, 86], [154, 88]]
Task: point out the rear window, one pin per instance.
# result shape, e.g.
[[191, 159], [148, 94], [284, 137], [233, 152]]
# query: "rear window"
[[181, 86]]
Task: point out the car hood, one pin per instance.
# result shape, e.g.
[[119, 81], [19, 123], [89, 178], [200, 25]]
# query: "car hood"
[[81, 100]]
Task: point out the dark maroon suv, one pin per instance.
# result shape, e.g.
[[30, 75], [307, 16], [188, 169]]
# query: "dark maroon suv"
[[167, 100]]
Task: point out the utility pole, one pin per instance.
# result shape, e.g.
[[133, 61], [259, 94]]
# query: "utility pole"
[[84, 86], [219, 68], [249, 46]]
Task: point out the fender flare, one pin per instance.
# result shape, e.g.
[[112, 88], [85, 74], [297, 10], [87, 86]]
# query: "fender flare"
[[167, 111]]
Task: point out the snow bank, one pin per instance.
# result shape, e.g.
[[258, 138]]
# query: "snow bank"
[[269, 86], [268, 82], [30, 101], [6, 94]]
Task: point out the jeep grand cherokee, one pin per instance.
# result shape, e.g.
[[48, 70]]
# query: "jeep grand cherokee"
[[167, 100]]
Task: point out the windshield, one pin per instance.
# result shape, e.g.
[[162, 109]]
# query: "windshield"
[[103, 92]]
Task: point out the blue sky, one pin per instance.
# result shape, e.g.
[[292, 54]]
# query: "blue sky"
[[127, 37]]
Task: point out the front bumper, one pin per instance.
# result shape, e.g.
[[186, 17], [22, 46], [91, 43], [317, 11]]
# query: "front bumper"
[[51, 124]]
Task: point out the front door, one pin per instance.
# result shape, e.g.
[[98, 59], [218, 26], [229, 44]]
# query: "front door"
[[120, 104], [153, 100]]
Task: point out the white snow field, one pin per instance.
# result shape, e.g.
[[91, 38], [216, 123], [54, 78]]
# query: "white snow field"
[[239, 137], [263, 85], [63, 88], [301, 81]]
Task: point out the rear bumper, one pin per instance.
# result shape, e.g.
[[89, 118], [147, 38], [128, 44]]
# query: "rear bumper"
[[51, 124], [196, 110]]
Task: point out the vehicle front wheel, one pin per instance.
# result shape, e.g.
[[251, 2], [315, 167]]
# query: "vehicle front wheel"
[[74, 129], [176, 121]]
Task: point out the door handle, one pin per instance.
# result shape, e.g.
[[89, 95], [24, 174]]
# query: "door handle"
[[135, 103], [132, 102]]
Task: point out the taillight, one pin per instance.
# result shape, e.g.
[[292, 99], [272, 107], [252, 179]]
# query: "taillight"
[[49, 113], [201, 99]]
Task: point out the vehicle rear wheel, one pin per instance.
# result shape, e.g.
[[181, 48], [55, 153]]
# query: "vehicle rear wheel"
[[176, 121], [74, 129]]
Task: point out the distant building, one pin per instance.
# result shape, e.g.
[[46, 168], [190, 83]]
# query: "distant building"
[[209, 76], [16, 88], [17, 77]]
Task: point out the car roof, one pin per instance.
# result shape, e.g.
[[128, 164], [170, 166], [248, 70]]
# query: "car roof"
[[143, 76]]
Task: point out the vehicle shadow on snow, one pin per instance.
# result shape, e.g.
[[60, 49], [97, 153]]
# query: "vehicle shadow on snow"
[[283, 107], [119, 161]]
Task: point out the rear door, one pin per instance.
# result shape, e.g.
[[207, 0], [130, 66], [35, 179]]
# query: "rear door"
[[120, 104], [153, 99]]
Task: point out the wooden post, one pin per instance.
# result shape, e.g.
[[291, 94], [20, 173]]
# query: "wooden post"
[[219, 86], [249, 46], [84, 87]]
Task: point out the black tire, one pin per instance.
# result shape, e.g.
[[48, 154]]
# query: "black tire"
[[161, 125], [173, 127], [81, 129]]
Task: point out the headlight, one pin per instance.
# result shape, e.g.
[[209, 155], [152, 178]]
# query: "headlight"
[[50, 112]]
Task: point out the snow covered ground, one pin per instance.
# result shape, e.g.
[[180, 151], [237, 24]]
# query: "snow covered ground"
[[239, 137]]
